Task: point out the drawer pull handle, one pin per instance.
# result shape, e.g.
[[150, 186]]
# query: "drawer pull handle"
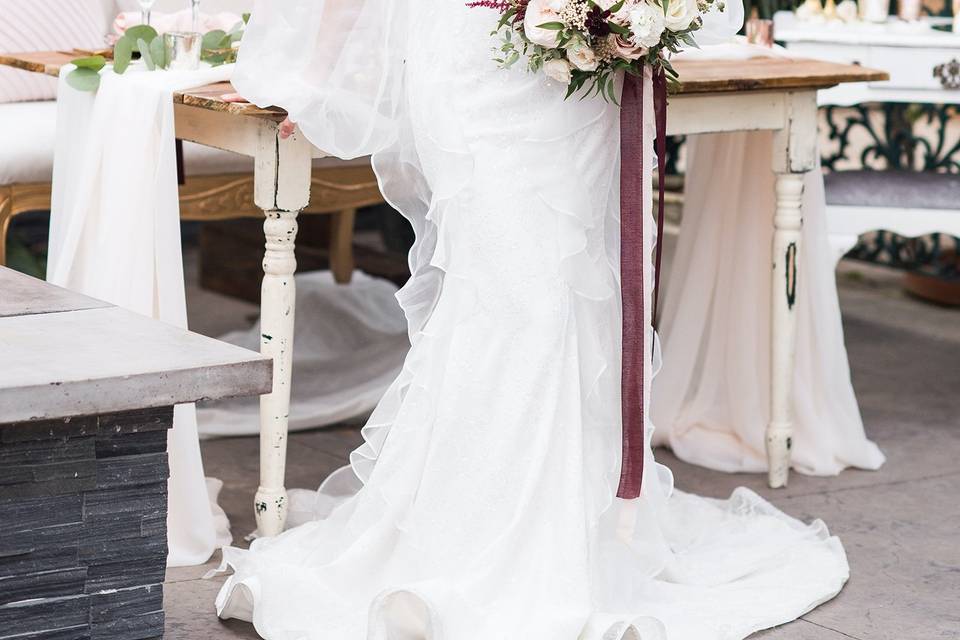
[[948, 74]]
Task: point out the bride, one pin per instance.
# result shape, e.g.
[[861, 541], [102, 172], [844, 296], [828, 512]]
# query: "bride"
[[483, 505]]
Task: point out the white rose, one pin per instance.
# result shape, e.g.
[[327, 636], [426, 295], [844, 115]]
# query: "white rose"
[[680, 13], [581, 56], [540, 12], [558, 70], [647, 24]]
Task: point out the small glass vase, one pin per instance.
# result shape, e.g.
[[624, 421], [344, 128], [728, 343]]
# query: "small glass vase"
[[875, 10], [183, 50]]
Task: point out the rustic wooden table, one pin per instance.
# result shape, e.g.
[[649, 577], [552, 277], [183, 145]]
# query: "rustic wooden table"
[[774, 94]]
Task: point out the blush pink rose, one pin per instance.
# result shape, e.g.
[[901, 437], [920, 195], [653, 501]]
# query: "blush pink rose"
[[540, 12], [626, 49]]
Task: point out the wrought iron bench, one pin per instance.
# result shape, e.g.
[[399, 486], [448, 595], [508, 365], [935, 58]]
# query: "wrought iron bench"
[[907, 203]]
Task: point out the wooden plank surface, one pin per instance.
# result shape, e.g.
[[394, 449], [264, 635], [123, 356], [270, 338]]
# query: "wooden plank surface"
[[210, 97], [46, 62], [768, 74]]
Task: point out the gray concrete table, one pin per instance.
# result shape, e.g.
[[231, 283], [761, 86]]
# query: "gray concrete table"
[[86, 397]]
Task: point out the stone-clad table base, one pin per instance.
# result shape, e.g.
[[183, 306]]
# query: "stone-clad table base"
[[83, 507]]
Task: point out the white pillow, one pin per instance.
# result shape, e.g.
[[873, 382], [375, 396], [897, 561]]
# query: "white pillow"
[[46, 25]]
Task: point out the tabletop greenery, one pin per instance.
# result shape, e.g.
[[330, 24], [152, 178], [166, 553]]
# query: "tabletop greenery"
[[143, 41]]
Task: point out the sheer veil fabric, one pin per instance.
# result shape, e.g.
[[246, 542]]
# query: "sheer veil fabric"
[[482, 505]]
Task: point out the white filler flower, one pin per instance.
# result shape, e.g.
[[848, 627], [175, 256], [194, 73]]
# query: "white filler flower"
[[647, 24]]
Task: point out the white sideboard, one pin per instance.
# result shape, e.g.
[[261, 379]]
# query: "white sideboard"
[[923, 62]]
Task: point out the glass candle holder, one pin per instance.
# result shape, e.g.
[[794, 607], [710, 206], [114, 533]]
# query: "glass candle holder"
[[183, 50], [875, 10], [910, 9]]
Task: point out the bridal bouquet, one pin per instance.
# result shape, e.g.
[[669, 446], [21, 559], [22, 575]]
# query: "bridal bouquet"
[[577, 42]]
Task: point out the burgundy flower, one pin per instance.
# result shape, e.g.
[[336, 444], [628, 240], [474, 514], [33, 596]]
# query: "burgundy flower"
[[521, 11], [596, 23], [499, 5]]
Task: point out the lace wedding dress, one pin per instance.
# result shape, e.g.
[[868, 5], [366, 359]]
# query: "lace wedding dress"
[[482, 505]]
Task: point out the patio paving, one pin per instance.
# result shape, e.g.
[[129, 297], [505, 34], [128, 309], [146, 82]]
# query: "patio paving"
[[900, 525]]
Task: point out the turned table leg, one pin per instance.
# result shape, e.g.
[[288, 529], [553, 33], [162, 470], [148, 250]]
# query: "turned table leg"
[[282, 183], [787, 223], [794, 156]]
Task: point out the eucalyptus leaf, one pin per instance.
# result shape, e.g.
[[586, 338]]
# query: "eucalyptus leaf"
[[213, 39], [506, 17], [246, 18], [122, 54], [84, 79], [91, 62], [158, 52], [141, 32], [618, 29], [688, 39], [145, 54]]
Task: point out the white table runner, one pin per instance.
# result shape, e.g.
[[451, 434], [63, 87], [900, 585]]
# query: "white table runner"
[[115, 236]]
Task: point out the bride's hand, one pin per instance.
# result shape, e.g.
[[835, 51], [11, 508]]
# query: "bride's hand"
[[287, 127]]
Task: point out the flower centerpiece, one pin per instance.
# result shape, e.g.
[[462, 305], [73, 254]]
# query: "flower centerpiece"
[[584, 43]]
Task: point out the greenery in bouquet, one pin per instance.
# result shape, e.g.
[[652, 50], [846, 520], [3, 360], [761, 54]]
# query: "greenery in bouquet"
[[584, 43], [143, 42]]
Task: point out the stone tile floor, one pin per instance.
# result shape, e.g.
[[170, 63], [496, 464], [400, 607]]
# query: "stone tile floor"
[[900, 525]]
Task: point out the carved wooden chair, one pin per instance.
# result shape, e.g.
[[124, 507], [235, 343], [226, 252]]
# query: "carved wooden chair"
[[337, 191]]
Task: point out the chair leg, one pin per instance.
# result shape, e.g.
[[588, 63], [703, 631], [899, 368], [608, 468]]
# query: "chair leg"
[[341, 245], [6, 214]]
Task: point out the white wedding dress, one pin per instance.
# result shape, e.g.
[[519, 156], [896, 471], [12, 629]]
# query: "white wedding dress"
[[482, 506]]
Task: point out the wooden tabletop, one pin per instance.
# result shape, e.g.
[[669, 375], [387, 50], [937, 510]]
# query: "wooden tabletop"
[[696, 77], [768, 74], [47, 62]]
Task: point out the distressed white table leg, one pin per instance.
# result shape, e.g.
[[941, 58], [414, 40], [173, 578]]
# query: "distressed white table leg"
[[787, 222], [794, 155], [282, 183]]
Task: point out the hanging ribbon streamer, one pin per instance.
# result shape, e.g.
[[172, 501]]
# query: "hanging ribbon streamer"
[[660, 114], [633, 192]]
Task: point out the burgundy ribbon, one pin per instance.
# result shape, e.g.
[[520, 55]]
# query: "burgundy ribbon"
[[632, 195]]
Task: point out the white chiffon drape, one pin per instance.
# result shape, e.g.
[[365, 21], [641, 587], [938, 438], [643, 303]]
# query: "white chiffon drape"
[[482, 504], [115, 236], [712, 396]]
